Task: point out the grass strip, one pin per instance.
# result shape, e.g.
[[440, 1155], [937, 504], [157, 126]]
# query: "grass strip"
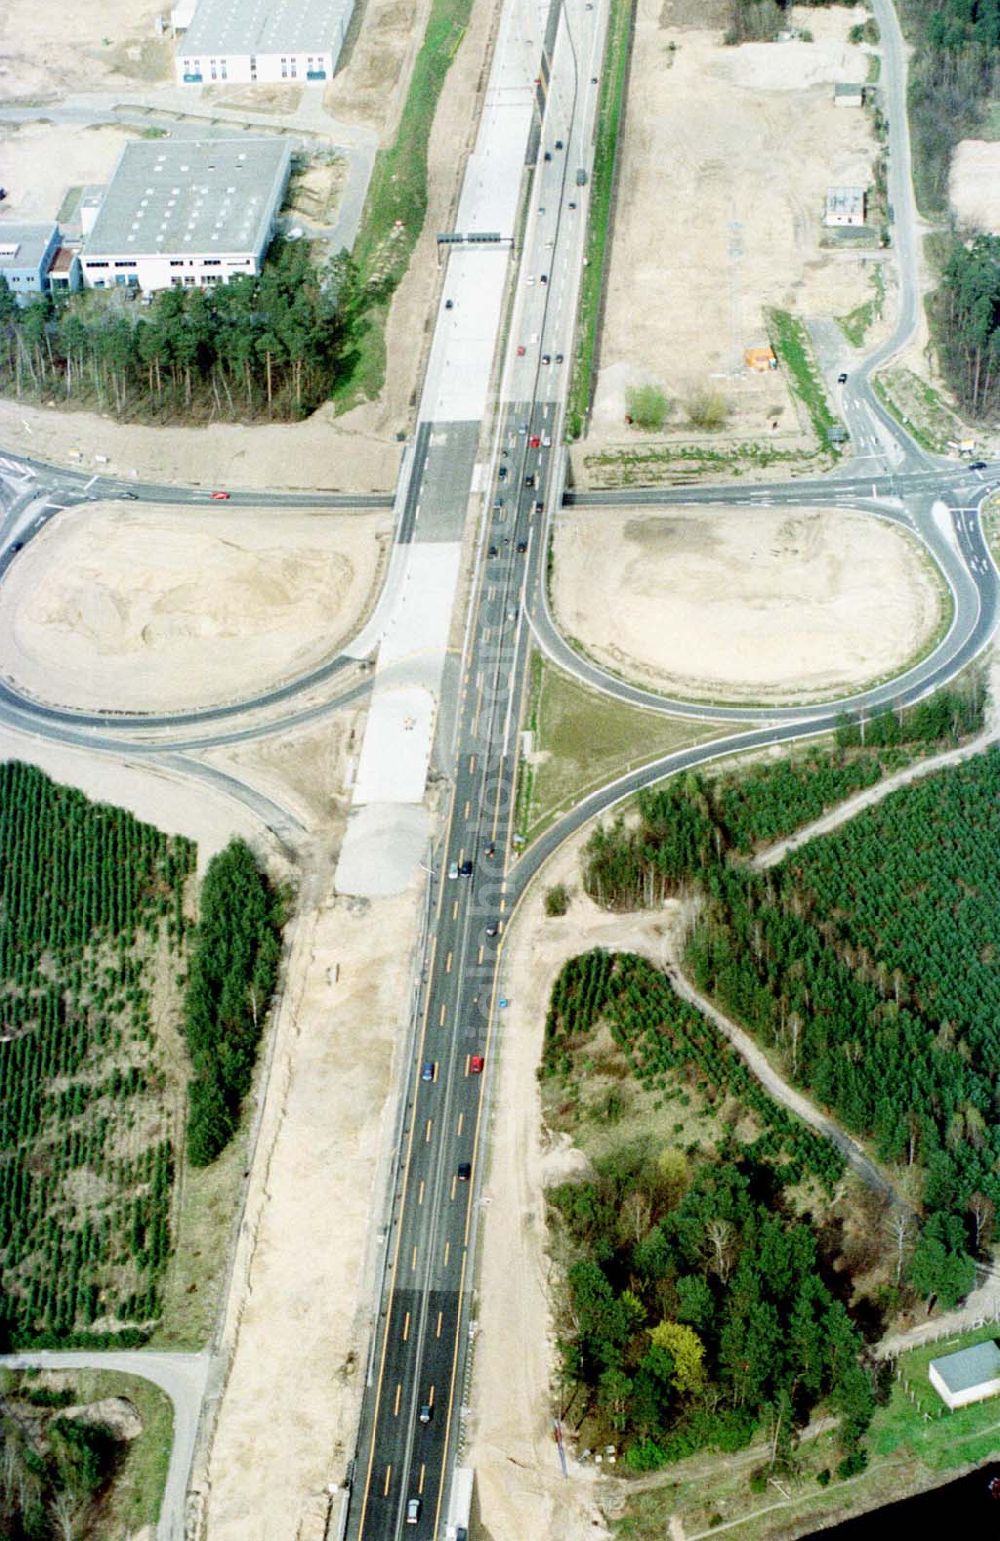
[[790, 341], [396, 206], [608, 131]]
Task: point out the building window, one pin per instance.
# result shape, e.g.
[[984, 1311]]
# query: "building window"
[[213, 262], [176, 262], [96, 265], [176, 283], [124, 264], [189, 280]]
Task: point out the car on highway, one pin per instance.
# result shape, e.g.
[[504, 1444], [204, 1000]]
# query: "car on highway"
[[453, 869], [426, 1412], [493, 929], [521, 350], [522, 547], [546, 358], [544, 278], [502, 473], [130, 497], [220, 497], [522, 427], [559, 358], [572, 205], [558, 144], [548, 155], [489, 848], [529, 480], [464, 1171], [977, 465], [413, 1508], [535, 441], [512, 613], [842, 377], [497, 504], [465, 868], [492, 551], [449, 304], [476, 1063], [529, 279], [429, 1070]]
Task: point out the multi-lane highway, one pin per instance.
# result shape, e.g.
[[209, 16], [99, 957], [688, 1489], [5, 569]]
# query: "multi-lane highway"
[[411, 1419]]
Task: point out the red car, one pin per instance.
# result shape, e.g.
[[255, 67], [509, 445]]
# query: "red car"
[[476, 1063], [220, 497], [535, 441], [521, 350]]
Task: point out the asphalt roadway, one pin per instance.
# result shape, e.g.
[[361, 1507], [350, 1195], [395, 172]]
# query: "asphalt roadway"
[[419, 1355]]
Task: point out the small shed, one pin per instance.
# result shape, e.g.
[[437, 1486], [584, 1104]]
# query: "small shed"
[[971, 1375], [848, 94], [760, 359], [845, 206]]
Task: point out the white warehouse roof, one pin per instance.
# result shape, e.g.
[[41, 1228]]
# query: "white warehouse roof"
[[191, 196], [227, 27]]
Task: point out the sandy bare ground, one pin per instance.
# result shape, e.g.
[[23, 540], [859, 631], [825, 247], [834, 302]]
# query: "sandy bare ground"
[[727, 156], [158, 608], [288, 1415], [744, 604], [45, 53], [42, 161], [371, 87], [974, 184]]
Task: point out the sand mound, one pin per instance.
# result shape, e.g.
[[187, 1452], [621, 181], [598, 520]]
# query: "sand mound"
[[974, 183]]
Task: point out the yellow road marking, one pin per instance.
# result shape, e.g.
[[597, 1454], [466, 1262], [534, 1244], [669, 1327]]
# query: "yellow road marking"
[[448, 962], [399, 1393], [388, 1479], [461, 1121], [442, 1014], [454, 1184], [454, 910], [427, 1131], [420, 1192], [406, 1328], [437, 1334], [413, 1259], [472, 763], [420, 1484], [430, 1397], [482, 949], [447, 1249]]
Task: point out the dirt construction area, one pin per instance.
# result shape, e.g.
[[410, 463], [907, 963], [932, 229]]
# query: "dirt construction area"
[[158, 609], [48, 51], [974, 184], [744, 605], [727, 156]]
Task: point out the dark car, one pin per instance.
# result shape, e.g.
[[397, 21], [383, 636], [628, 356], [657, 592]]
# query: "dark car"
[[546, 358], [426, 1412], [493, 928], [977, 465], [522, 547], [492, 551], [548, 155], [842, 378], [544, 278], [429, 1070], [489, 849], [465, 869], [529, 480], [572, 204], [131, 497], [559, 358], [502, 473], [558, 144], [464, 1171]]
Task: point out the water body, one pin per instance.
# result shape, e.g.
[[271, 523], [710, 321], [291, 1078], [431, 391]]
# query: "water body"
[[963, 1510]]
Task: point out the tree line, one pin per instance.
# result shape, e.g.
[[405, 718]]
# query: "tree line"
[[231, 978], [274, 346], [965, 311]]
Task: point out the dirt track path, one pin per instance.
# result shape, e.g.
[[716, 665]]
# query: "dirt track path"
[[780, 1089], [872, 795]]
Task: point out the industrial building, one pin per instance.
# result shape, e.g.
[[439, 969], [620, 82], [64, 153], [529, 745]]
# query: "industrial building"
[[25, 254], [186, 213], [265, 41], [845, 206], [971, 1375]]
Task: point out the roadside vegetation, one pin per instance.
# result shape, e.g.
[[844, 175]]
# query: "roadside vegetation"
[[965, 315], [762, 21], [610, 113], [647, 465], [396, 206], [85, 1454], [270, 348], [790, 341], [581, 740], [231, 978], [921, 409], [859, 321]]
